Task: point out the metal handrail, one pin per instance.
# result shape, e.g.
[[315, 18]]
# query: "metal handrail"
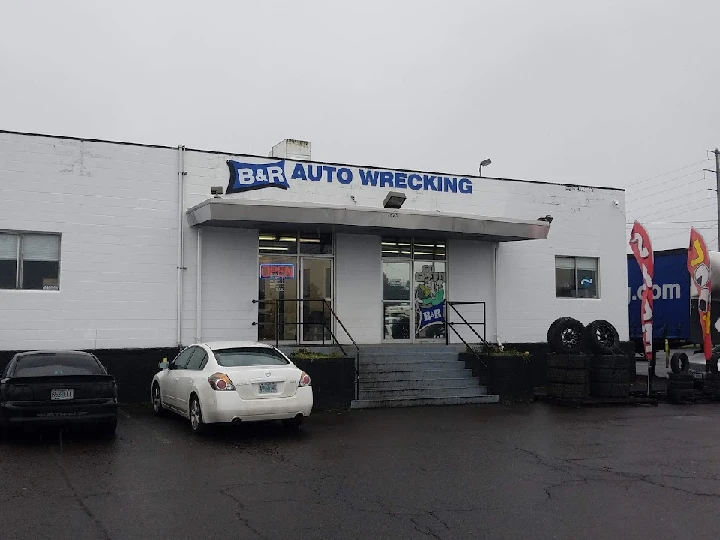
[[324, 325], [451, 326]]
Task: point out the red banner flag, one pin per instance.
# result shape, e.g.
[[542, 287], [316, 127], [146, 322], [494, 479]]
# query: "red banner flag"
[[699, 268], [642, 249]]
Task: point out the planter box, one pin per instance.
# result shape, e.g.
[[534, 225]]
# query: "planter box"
[[333, 381], [510, 377]]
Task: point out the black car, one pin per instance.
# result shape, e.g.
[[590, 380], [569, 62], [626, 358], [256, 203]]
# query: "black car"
[[57, 387]]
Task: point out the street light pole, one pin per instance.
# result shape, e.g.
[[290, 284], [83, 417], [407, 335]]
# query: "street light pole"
[[483, 163]]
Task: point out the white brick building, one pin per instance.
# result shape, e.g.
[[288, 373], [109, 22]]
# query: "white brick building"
[[91, 258]]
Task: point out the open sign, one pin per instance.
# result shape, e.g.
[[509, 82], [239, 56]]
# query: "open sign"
[[284, 270]]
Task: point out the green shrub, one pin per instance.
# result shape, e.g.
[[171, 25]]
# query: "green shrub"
[[306, 354]]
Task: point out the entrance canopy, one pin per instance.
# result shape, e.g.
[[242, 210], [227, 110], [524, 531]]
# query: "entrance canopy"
[[284, 216]]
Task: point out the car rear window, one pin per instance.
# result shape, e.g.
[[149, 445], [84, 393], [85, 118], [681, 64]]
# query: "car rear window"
[[48, 365], [249, 356]]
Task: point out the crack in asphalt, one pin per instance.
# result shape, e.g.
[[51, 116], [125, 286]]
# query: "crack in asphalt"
[[81, 500]]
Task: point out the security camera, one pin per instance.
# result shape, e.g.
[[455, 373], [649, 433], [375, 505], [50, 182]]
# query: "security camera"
[[216, 190], [616, 202]]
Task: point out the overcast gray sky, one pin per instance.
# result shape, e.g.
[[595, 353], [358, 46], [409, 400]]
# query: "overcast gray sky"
[[604, 93]]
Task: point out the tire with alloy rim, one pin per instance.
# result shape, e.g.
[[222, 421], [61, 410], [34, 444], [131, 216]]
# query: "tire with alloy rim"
[[196, 419], [567, 337], [601, 337], [157, 400], [553, 327]]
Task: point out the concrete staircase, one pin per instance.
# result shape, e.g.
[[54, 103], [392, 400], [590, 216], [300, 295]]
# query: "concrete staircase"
[[412, 375]]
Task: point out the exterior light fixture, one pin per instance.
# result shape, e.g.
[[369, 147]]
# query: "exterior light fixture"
[[216, 191], [547, 218], [483, 163], [394, 199]]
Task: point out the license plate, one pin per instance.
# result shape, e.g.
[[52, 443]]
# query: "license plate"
[[62, 394], [268, 388]]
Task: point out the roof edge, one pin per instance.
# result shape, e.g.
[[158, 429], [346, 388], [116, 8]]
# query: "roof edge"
[[220, 152]]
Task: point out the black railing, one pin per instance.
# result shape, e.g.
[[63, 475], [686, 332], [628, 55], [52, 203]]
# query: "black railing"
[[465, 323], [324, 324]]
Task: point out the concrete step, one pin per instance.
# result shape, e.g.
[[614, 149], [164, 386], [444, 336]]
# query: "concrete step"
[[432, 392], [450, 382], [415, 374], [412, 357], [409, 348], [409, 366], [417, 402]]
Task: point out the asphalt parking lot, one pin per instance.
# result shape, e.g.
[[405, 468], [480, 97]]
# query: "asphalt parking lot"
[[531, 471]]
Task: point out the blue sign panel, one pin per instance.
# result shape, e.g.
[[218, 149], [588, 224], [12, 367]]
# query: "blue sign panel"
[[247, 176], [671, 296]]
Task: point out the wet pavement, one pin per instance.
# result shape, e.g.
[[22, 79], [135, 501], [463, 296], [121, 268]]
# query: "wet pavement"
[[520, 472]]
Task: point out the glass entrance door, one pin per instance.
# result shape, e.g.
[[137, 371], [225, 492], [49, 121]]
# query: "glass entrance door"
[[397, 306], [317, 299], [278, 299]]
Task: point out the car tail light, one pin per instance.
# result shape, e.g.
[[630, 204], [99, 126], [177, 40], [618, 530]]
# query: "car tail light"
[[220, 381], [304, 379]]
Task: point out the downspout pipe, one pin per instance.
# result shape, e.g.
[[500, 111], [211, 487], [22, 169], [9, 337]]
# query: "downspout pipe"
[[495, 292], [198, 288], [180, 240]]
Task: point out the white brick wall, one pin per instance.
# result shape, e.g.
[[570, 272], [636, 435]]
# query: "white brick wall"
[[470, 279], [116, 207], [358, 287]]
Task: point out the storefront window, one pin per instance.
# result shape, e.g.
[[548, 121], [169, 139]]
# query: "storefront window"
[[278, 244], [316, 244]]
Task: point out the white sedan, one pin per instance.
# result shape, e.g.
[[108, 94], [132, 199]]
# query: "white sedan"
[[232, 382]]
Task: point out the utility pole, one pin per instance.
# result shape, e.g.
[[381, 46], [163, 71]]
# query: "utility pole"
[[717, 186]]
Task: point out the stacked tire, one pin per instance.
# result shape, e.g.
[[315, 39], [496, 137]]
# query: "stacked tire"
[[568, 376], [711, 387], [609, 376], [681, 383], [571, 374]]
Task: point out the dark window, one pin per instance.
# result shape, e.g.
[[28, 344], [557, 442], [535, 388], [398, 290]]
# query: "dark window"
[[47, 365], [316, 244], [198, 359], [8, 260], [36, 256], [183, 358], [576, 277], [249, 356]]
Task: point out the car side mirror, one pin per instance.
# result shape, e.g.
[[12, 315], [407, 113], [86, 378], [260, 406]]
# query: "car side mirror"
[[164, 365]]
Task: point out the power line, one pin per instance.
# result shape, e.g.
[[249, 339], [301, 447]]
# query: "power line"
[[631, 188], [651, 215], [670, 172], [638, 200], [668, 222]]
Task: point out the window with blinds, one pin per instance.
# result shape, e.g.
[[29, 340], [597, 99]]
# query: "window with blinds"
[[29, 261], [576, 277]]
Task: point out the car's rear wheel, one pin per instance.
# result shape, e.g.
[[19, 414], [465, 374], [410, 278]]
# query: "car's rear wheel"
[[108, 428], [157, 400], [293, 424], [196, 419]]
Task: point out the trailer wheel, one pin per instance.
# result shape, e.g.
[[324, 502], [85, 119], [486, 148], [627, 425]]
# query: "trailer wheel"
[[679, 363], [601, 337]]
